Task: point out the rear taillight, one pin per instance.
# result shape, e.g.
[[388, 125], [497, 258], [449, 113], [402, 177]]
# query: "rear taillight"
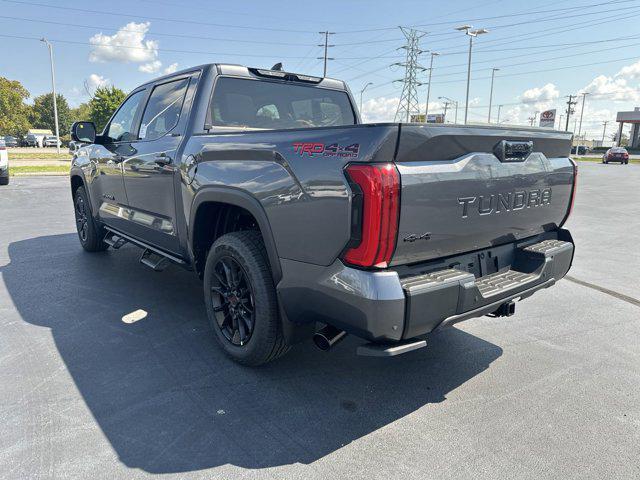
[[3, 148], [376, 207]]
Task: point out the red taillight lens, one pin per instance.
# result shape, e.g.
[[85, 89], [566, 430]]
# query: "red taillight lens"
[[377, 211]]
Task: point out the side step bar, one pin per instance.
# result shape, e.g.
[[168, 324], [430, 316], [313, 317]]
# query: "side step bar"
[[151, 257]]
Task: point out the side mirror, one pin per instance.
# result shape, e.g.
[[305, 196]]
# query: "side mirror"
[[83, 132]]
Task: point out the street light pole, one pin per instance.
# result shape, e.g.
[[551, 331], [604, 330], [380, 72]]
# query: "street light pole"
[[493, 74], [426, 110], [361, 92], [471, 33], [53, 84]]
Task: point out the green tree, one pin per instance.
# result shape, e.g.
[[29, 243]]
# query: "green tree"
[[42, 113], [14, 113], [104, 103], [82, 113]]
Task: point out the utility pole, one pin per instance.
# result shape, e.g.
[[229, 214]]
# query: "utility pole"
[[499, 108], [326, 49], [584, 95], [53, 85], [409, 98], [570, 110], [426, 110], [446, 104], [451, 102], [604, 130], [361, 92], [493, 73], [472, 34]]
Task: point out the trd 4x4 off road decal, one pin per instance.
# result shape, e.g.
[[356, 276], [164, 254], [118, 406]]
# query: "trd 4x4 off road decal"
[[320, 149]]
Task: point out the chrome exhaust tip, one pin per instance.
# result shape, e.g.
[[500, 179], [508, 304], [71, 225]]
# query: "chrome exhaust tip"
[[328, 337]]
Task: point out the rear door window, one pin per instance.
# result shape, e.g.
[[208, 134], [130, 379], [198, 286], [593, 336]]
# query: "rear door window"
[[163, 109], [262, 104]]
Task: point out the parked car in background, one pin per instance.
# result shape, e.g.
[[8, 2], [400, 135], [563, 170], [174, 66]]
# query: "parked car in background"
[[616, 154], [31, 140], [579, 150], [4, 163], [51, 141], [10, 141]]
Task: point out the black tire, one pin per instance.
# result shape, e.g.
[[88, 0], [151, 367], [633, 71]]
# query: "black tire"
[[4, 180], [90, 233], [241, 301]]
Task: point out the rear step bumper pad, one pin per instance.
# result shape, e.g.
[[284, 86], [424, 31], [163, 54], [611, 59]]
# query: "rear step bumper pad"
[[454, 295]]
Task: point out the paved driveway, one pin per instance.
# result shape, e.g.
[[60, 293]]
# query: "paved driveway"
[[553, 392]]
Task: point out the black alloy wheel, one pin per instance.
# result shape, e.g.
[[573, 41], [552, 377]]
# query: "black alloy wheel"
[[82, 220], [233, 301]]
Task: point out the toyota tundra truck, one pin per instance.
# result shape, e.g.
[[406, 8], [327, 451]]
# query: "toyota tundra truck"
[[302, 222]]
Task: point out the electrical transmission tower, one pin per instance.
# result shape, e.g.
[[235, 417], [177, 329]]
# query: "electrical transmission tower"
[[409, 99]]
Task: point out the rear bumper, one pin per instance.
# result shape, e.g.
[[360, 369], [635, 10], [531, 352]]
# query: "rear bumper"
[[390, 305]]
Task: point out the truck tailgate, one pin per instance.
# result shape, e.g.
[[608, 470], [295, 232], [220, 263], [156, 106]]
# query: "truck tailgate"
[[467, 188]]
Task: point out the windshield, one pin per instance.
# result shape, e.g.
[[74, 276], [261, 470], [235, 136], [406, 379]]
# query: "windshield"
[[269, 105]]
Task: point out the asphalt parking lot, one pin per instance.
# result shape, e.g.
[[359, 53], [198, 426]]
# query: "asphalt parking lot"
[[553, 392]]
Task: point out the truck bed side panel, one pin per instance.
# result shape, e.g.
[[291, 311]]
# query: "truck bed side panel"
[[305, 195]]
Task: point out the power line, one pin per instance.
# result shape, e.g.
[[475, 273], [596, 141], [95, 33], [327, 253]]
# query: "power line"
[[161, 19], [155, 33]]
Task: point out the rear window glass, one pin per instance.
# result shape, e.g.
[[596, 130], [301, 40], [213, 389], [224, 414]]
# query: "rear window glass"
[[246, 103]]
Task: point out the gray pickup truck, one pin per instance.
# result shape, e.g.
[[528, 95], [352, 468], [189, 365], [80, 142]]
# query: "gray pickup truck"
[[302, 222]]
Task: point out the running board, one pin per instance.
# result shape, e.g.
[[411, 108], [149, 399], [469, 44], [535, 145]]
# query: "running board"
[[389, 349], [114, 240], [153, 260], [151, 257]]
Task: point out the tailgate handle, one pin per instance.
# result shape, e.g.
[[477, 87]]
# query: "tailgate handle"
[[513, 151]]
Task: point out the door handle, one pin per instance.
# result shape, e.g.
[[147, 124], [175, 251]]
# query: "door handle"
[[162, 159]]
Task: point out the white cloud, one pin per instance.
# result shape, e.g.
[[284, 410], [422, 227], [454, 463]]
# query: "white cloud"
[[94, 82], [151, 67], [171, 68], [541, 96], [615, 89], [128, 44], [630, 71], [383, 109]]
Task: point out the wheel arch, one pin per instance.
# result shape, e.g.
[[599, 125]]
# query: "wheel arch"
[[226, 196]]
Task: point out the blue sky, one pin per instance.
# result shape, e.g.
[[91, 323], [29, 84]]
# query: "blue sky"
[[545, 50]]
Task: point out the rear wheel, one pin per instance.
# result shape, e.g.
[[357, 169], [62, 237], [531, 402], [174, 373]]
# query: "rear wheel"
[[90, 232], [4, 180], [241, 301]]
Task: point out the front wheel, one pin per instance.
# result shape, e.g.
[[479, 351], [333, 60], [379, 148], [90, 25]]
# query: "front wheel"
[[90, 232], [4, 180], [241, 302]]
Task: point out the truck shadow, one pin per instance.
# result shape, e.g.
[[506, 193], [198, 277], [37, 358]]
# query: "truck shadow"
[[169, 401]]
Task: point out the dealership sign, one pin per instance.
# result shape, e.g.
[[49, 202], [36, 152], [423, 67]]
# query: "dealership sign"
[[548, 118]]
